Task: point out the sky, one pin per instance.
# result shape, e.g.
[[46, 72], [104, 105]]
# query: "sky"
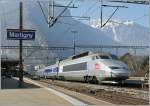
[[91, 8]]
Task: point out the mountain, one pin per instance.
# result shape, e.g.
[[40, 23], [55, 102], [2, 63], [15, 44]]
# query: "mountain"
[[124, 32], [65, 31], [61, 34]]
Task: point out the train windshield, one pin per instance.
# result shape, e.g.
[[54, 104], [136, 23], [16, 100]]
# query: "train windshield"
[[102, 57], [114, 57], [116, 67]]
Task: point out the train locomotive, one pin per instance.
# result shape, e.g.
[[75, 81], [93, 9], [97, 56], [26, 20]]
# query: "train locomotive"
[[88, 67]]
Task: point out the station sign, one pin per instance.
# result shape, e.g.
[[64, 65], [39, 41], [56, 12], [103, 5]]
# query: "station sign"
[[16, 34]]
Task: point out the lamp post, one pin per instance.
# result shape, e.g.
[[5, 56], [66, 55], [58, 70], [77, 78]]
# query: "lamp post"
[[74, 42]]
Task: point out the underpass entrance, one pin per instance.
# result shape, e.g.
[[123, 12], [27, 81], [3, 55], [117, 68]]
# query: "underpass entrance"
[[8, 70]]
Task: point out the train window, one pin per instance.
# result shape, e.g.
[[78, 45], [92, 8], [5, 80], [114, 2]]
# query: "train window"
[[114, 57], [97, 57], [75, 67], [104, 57], [115, 67], [48, 70], [80, 55], [55, 69], [93, 58]]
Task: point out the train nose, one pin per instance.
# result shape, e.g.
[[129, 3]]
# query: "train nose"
[[120, 73]]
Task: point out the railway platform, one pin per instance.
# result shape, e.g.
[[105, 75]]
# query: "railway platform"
[[35, 94], [29, 95]]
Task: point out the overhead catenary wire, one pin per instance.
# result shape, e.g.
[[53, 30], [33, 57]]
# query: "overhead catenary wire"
[[55, 20], [51, 20], [53, 15], [140, 17], [42, 11], [102, 25], [143, 2], [135, 19], [61, 22], [84, 14], [117, 8]]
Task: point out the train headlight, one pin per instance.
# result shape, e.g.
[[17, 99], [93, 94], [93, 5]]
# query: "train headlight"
[[97, 66]]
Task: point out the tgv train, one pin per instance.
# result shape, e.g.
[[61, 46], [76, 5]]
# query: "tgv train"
[[88, 67]]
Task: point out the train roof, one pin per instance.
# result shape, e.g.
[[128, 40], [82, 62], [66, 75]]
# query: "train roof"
[[88, 53]]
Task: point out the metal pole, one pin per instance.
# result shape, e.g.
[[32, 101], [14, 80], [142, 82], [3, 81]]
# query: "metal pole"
[[135, 51], [117, 51], [0, 65], [53, 9], [74, 45], [20, 45], [49, 13], [101, 49], [47, 60], [101, 13], [74, 42], [0, 55]]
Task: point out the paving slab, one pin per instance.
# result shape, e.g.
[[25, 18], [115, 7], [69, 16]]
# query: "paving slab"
[[30, 95]]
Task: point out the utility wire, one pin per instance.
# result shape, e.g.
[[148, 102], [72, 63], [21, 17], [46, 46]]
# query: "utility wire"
[[131, 19]]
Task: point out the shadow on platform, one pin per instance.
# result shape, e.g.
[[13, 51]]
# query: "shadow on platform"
[[12, 83]]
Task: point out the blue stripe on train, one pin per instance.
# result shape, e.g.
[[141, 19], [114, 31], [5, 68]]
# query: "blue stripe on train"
[[51, 70]]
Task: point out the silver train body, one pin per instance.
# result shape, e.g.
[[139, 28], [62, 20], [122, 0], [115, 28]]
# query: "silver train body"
[[89, 67]]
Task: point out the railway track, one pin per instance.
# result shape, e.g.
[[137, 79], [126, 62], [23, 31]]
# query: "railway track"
[[121, 98], [127, 86]]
